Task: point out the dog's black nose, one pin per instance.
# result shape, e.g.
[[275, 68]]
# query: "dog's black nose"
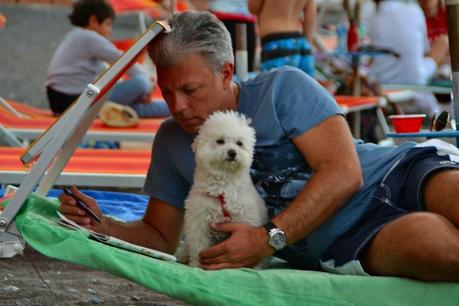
[[232, 154]]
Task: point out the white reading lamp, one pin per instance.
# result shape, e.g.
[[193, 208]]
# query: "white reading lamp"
[[56, 145]]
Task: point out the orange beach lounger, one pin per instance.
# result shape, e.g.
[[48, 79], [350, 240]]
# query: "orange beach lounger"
[[32, 128], [86, 167]]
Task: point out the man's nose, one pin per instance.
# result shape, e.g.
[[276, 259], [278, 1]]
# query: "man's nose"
[[177, 103]]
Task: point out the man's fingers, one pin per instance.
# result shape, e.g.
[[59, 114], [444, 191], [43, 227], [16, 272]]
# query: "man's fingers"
[[73, 212], [225, 227], [214, 260], [67, 200], [87, 200], [71, 209], [214, 251], [79, 194]]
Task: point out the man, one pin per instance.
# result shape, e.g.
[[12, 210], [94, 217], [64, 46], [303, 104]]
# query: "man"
[[306, 167], [286, 29]]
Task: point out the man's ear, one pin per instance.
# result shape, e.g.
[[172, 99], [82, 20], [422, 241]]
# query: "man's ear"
[[227, 72]]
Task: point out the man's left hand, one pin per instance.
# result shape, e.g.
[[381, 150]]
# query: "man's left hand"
[[245, 247]]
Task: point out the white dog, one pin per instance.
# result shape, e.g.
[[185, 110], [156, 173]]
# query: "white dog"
[[222, 189]]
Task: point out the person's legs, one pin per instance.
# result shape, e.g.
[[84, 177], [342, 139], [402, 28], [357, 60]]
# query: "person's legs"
[[441, 194], [131, 91], [422, 245], [58, 101], [151, 110]]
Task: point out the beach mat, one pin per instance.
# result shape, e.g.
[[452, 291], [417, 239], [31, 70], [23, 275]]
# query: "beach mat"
[[37, 223]]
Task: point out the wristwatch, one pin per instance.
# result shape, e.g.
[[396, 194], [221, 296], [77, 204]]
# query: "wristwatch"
[[277, 239]]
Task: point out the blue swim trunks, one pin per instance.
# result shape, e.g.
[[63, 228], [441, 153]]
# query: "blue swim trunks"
[[287, 49], [399, 193]]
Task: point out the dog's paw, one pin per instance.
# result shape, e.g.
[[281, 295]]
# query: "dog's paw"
[[193, 262]]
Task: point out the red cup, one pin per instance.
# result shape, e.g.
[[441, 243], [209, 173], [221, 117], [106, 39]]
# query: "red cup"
[[407, 123]]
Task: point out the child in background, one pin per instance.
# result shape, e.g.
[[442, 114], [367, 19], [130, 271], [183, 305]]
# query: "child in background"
[[80, 58]]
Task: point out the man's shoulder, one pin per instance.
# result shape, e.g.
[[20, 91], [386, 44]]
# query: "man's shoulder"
[[284, 74], [285, 71], [169, 127], [172, 134]]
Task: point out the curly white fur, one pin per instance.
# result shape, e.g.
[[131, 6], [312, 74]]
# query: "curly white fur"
[[224, 149]]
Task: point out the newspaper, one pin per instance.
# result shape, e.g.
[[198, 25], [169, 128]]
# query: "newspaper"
[[112, 241]]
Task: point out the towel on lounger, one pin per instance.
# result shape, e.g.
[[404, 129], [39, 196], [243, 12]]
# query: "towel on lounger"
[[37, 224]]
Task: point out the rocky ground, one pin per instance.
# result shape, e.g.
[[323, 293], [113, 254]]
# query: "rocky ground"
[[34, 279], [26, 46]]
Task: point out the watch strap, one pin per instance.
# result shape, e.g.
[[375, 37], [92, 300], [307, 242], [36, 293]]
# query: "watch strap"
[[269, 226]]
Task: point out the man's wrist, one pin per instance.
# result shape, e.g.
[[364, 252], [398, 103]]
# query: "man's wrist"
[[107, 225], [264, 237], [276, 237]]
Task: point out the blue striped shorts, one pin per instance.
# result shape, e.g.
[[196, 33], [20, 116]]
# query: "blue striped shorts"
[[287, 49], [399, 193]]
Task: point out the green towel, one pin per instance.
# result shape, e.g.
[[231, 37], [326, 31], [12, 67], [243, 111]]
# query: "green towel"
[[37, 224]]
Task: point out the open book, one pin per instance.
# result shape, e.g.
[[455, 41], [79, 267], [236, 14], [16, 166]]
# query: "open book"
[[64, 221]]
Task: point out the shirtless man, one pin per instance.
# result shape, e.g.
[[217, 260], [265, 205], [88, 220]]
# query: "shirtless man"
[[286, 29]]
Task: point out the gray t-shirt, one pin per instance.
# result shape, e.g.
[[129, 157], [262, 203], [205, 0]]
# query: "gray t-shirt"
[[283, 104], [79, 59]]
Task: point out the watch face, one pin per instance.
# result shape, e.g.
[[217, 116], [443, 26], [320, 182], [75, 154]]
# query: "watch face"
[[278, 240]]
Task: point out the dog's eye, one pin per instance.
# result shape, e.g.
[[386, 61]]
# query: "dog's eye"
[[221, 141], [239, 143]]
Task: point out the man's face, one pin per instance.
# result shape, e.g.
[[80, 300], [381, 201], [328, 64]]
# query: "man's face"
[[193, 91]]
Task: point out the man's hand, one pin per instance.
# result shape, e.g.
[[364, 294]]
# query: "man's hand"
[[70, 209], [246, 247]]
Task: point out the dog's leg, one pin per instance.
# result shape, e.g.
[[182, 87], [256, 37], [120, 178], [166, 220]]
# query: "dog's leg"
[[183, 252], [198, 239]]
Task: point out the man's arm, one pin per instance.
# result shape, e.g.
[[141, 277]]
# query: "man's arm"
[[329, 150], [309, 19], [255, 6], [160, 228]]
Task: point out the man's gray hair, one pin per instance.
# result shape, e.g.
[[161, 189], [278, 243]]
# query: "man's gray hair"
[[193, 32]]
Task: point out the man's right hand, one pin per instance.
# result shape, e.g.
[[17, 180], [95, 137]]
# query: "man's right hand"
[[70, 209]]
